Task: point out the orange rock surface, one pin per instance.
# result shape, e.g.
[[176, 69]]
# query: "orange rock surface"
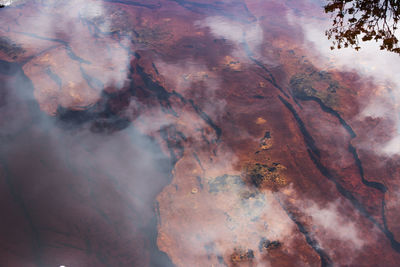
[[188, 133]]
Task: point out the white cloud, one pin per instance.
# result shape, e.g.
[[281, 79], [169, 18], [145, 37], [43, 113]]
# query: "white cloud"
[[229, 221], [235, 32], [85, 65], [373, 65], [334, 224], [393, 146]]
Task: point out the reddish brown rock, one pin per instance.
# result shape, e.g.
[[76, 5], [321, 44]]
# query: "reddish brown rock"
[[187, 133]]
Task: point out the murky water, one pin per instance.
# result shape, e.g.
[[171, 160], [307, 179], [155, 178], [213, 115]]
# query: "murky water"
[[194, 133]]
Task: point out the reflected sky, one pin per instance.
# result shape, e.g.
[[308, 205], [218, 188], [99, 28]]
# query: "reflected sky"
[[194, 133]]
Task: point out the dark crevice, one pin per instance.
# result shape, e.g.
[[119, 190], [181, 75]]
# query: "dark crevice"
[[161, 93], [163, 97], [101, 118], [93, 82], [333, 177], [174, 143], [379, 186], [394, 243], [207, 119], [54, 77], [68, 48], [198, 161], [306, 135], [330, 111], [270, 78], [351, 148], [325, 259], [28, 59]]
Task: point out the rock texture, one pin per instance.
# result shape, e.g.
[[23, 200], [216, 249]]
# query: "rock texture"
[[187, 133]]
